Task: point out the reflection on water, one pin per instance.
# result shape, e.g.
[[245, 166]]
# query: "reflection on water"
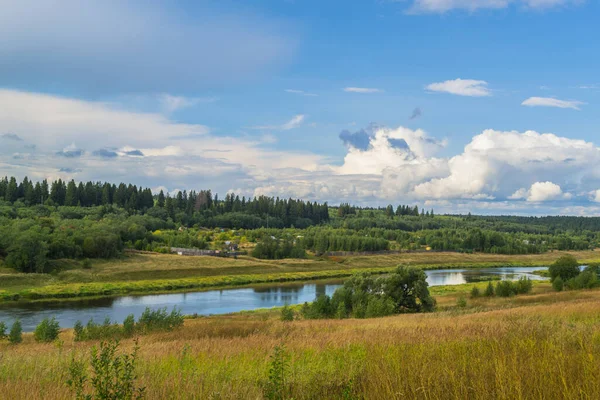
[[221, 301]]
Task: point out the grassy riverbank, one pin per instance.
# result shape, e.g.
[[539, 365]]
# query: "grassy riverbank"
[[542, 345], [156, 273]]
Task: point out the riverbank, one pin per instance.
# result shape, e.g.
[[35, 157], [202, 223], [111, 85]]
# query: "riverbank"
[[146, 274], [491, 348]]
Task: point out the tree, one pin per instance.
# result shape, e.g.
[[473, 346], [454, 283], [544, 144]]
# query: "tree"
[[71, 196], [489, 290], [408, 289], [28, 253], [16, 333], [565, 267], [558, 284], [161, 199]]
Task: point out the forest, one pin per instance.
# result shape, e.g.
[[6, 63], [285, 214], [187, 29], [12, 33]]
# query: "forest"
[[41, 222]]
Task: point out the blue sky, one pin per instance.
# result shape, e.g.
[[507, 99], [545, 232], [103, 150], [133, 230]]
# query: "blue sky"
[[488, 106]]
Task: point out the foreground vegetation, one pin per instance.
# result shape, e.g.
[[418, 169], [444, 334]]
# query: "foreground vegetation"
[[542, 345]]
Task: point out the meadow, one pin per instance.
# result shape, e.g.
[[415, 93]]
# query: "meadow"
[[543, 345], [158, 273]]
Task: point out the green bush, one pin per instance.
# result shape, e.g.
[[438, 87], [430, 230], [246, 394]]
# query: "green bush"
[[566, 267], [461, 302], [558, 284], [158, 320], [113, 376], [489, 290], [47, 330], [362, 296], [475, 292], [585, 280], [287, 314], [2, 330], [129, 325], [276, 387], [505, 289], [78, 331], [523, 285], [16, 333]]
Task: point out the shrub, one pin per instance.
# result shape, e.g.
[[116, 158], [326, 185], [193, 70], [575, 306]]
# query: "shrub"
[[558, 284], [86, 264], [16, 333], [489, 290], [287, 314], [475, 292], [566, 267], [47, 331], [113, 377], [585, 280], [523, 285], [153, 320], [505, 289], [2, 330], [78, 331], [276, 389], [129, 325], [461, 302]]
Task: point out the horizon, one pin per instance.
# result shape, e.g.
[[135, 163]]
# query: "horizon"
[[456, 105]]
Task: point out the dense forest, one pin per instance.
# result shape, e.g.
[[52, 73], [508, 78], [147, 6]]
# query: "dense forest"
[[45, 221]]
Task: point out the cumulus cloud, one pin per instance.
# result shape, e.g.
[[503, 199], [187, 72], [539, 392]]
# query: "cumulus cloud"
[[443, 6], [362, 90], [595, 196], [499, 163], [539, 192], [461, 87], [552, 102]]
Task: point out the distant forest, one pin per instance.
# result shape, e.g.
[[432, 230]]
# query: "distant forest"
[[42, 222]]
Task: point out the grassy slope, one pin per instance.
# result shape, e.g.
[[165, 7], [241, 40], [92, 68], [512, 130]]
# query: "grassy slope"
[[145, 273], [543, 346]]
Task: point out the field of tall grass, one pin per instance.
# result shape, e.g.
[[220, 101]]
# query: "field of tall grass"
[[545, 345], [155, 273]]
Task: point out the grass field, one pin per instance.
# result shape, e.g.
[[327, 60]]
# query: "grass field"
[[540, 346], [154, 273]]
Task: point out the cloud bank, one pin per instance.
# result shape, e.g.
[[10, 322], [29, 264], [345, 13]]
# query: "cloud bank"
[[497, 171]]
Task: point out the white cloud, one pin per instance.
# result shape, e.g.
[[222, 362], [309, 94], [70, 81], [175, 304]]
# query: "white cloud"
[[552, 102], [500, 163], [544, 191], [301, 92], [461, 87], [381, 165], [443, 6], [295, 122], [595, 196], [362, 90]]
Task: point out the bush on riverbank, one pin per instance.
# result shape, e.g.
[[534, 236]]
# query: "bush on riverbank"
[[363, 296], [149, 321]]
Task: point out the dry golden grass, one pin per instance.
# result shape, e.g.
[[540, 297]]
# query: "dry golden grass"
[[540, 346]]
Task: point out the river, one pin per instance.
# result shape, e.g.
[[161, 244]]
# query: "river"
[[223, 301]]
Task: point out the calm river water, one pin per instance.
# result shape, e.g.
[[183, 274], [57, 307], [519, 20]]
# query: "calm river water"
[[222, 301]]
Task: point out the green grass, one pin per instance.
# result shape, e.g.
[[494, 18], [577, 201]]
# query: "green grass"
[[545, 345], [137, 274]]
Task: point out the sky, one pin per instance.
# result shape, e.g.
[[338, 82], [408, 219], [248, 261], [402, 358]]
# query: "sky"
[[483, 106]]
